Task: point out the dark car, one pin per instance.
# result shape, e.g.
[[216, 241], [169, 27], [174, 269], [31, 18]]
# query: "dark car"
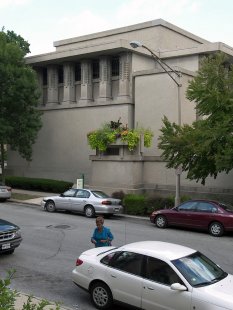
[[10, 237], [213, 216]]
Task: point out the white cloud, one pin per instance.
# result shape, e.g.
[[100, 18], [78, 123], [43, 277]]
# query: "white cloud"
[[10, 3], [84, 23]]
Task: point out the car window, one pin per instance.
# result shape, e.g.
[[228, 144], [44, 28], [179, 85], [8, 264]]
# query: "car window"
[[99, 194], [106, 260], [199, 270], [70, 193], [187, 206], [159, 271], [206, 207], [82, 194], [128, 262], [226, 207]]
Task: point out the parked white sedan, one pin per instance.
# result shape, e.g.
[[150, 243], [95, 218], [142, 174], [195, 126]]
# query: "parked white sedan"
[[5, 192], [153, 275], [89, 202]]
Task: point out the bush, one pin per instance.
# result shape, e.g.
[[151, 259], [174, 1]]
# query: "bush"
[[144, 205], [44, 185], [118, 195], [135, 204]]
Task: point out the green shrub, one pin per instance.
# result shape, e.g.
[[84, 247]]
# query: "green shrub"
[[7, 296], [44, 185], [135, 204]]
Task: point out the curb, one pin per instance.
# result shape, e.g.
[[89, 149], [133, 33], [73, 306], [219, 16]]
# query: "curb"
[[29, 202]]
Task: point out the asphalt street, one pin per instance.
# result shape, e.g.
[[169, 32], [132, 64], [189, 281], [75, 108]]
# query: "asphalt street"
[[53, 241]]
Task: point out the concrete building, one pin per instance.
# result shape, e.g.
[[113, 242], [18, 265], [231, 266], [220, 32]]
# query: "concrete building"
[[96, 78]]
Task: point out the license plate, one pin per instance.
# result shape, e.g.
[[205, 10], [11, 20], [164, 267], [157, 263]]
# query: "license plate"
[[6, 246], [116, 209]]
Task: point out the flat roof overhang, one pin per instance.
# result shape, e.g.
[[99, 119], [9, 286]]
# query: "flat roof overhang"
[[76, 54]]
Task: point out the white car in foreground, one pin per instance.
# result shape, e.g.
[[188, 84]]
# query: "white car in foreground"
[[153, 275]]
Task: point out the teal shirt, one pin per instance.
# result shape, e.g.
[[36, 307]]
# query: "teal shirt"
[[103, 235]]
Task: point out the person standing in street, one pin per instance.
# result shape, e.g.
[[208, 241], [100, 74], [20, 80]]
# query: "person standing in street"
[[102, 235]]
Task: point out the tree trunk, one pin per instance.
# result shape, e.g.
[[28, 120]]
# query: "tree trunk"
[[2, 160]]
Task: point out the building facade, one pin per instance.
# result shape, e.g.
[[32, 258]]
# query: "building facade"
[[98, 78]]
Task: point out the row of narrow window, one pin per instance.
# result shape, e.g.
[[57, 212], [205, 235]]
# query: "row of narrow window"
[[95, 71]]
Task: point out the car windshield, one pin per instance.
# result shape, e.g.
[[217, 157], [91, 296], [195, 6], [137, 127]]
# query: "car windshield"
[[99, 194], [199, 270], [226, 207]]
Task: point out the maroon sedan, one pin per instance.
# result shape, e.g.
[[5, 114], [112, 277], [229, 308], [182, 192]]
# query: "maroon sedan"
[[210, 215]]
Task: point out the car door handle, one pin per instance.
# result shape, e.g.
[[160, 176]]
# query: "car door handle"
[[113, 276], [150, 288]]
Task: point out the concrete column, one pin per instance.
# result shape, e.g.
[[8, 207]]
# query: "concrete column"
[[124, 75], [105, 84], [52, 72], [39, 73], [86, 81], [69, 82]]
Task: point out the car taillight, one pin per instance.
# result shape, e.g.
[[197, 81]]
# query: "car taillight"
[[9, 189], [79, 262], [106, 202]]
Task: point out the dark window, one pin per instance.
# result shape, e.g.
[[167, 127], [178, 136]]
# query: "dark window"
[[115, 66], [188, 206], [129, 262], [106, 260], [45, 77], [112, 151], [60, 74], [95, 69], [206, 207], [78, 71], [159, 271]]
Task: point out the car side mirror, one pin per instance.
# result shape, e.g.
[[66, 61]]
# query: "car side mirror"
[[61, 195], [178, 287]]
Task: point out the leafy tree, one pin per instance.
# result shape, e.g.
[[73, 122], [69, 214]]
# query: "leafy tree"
[[204, 148], [20, 119]]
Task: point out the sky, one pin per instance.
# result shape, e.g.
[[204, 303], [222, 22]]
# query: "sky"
[[41, 22]]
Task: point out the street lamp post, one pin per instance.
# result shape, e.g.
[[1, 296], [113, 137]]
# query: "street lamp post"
[[168, 70]]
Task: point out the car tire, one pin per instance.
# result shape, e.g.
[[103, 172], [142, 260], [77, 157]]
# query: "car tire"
[[161, 221], [101, 296], [50, 206], [216, 229], [89, 211]]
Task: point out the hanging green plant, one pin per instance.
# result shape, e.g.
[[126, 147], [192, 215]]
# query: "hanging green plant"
[[132, 138], [101, 138]]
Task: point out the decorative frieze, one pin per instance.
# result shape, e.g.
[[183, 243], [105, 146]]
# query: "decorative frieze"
[[105, 83], [124, 75], [52, 72], [69, 82], [86, 81]]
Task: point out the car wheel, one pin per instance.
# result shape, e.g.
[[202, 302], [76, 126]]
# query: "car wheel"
[[89, 211], [50, 206], [216, 229], [161, 221], [101, 296]]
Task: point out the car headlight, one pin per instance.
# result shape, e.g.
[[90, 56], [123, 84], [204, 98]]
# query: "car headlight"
[[18, 233]]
